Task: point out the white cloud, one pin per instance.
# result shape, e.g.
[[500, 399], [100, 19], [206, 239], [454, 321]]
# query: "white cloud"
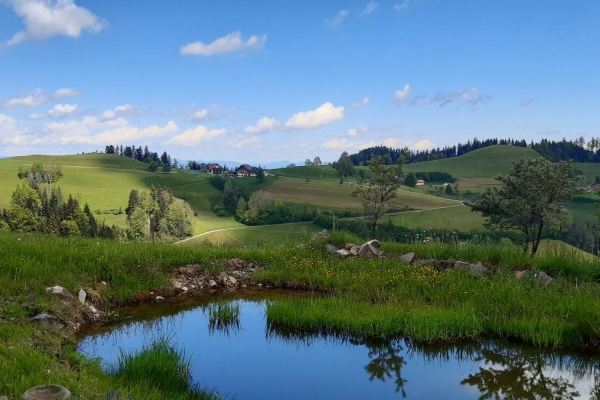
[[125, 110], [523, 126], [312, 119], [226, 44], [238, 144], [363, 103], [369, 8], [423, 145], [263, 125], [402, 94], [212, 113], [64, 93], [361, 130], [47, 18], [527, 102], [401, 6], [61, 110], [339, 17], [37, 116], [549, 132], [192, 137], [349, 145], [27, 99], [469, 96]]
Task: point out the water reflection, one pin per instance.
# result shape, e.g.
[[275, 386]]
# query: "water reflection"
[[241, 354]]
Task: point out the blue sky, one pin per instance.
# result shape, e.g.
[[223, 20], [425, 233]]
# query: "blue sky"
[[265, 81]]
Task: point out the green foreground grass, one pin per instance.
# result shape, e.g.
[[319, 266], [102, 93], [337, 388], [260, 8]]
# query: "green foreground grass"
[[365, 297]]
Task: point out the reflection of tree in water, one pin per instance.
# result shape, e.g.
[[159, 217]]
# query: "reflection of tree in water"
[[386, 361], [516, 374]]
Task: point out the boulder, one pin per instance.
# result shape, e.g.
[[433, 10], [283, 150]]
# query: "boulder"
[[543, 278], [350, 245], [342, 253], [54, 392], [159, 298], [408, 258], [462, 266], [82, 296], [59, 291], [331, 248], [370, 249], [522, 274], [232, 280], [212, 283], [48, 320], [354, 250], [478, 269]]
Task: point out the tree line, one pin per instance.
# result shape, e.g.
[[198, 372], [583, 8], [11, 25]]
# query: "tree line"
[[577, 150], [144, 155]]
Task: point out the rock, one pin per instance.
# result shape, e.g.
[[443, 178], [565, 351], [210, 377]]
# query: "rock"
[[232, 280], [93, 295], [101, 286], [320, 235], [3, 398], [48, 320], [354, 250], [185, 289], [47, 392], [543, 278], [177, 285], [236, 263], [331, 248], [159, 298], [478, 269], [350, 245], [408, 258], [370, 249], [60, 291], [82, 296], [522, 274], [193, 287], [462, 266], [342, 253], [95, 311], [212, 283]]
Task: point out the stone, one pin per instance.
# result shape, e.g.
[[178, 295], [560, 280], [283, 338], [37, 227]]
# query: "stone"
[[48, 320], [462, 266], [93, 295], [478, 269], [354, 250], [3, 398], [177, 285], [82, 296], [232, 280], [320, 235], [350, 245], [342, 253], [94, 310], [543, 278], [236, 263], [185, 289], [370, 249], [212, 283], [101, 286], [59, 291], [159, 298], [331, 248], [522, 274], [47, 392], [408, 258]]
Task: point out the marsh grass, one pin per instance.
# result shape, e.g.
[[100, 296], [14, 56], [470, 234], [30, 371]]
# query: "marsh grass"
[[223, 317]]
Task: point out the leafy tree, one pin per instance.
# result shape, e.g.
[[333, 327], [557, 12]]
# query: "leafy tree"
[[317, 161], [308, 162], [532, 195], [449, 190], [260, 174], [153, 166], [411, 179], [166, 168], [344, 166], [380, 195]]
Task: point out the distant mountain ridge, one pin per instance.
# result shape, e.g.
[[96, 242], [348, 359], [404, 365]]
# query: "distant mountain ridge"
[[234, 164]]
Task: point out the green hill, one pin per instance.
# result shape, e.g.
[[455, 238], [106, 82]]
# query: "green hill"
[[307, 172], [482, 163]]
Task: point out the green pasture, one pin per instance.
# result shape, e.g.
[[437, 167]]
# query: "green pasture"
[[307, 172], [451, 219]]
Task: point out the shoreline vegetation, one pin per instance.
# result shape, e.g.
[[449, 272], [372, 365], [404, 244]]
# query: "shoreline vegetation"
[[365, 297]]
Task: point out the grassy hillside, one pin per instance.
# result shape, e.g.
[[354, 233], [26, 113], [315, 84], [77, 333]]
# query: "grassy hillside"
[[483, 163], [451, 219], [307, 172], [251, 236]]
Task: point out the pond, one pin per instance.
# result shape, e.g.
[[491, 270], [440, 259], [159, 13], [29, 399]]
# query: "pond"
[[247, 358]]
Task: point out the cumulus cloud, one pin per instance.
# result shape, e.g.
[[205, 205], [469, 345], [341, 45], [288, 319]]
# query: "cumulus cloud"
[[422, 145], [226, 44], [193, 137], [363, 103], [263, 125], [361, 130], [46, 18], [402, 94], [125, 110], [523, 126], [337, 19], [212, 113], [61, 110], [527, 102], [64, 93], [76, 132], [469, 96], [238, 144], [394, 142], [369, 8], [401, 6], [323, 115], [36, 97]]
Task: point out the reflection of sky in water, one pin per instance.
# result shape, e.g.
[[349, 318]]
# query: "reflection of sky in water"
[[250, 363]]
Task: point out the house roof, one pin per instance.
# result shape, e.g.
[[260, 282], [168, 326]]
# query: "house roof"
[[420, 181], [248, 167], [211, 166]]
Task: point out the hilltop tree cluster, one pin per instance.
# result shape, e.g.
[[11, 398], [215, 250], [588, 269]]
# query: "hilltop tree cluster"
[[37, 206], [171, 215], [565, 150], [144, 155]]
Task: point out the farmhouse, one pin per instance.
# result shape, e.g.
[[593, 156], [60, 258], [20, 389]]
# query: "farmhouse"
[[214, 169], [246, 170], [593, 187], [420, 182]]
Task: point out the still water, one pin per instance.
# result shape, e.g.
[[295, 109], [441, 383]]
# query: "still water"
[[249, 359]]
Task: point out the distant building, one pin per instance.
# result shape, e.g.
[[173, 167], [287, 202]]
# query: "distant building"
[[420, 182], [214, 169], [593, 187], [246, 170]]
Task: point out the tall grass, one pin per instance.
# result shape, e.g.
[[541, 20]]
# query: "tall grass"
[[223, 316]]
